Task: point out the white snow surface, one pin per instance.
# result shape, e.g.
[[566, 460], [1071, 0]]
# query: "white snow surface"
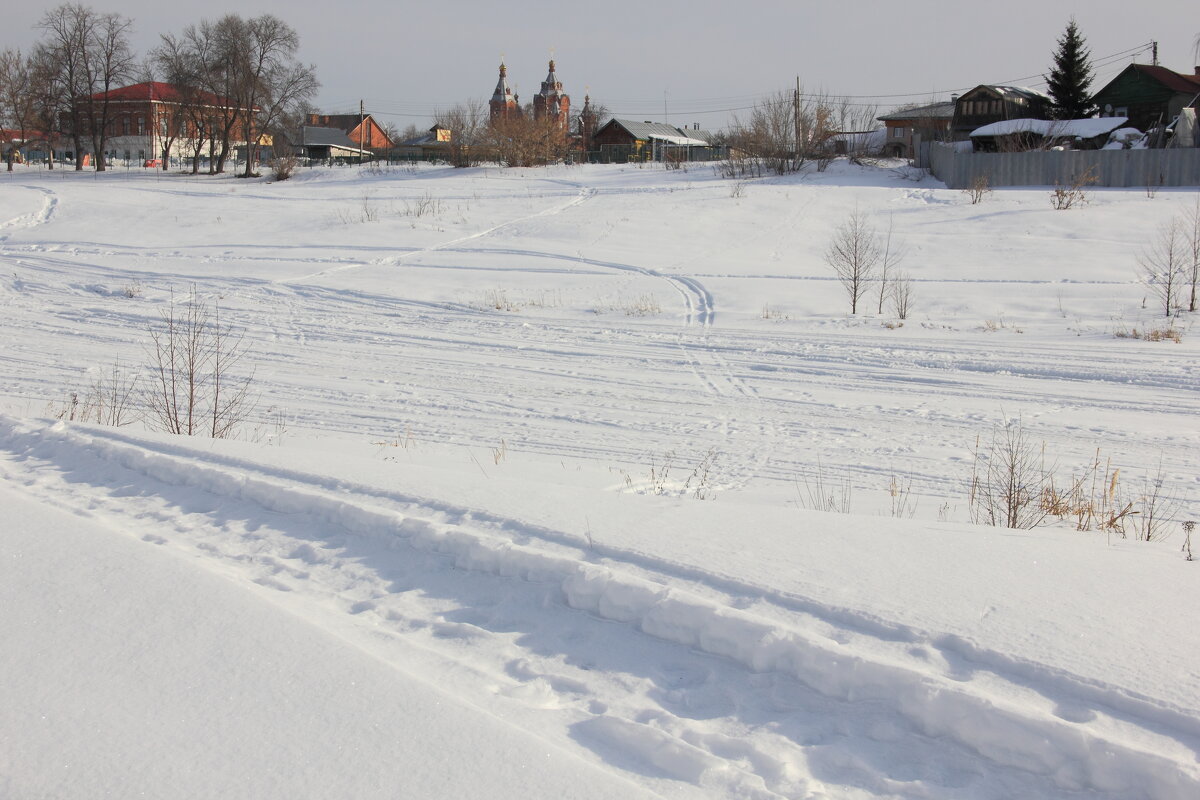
[[1076, 128], [457, 551]]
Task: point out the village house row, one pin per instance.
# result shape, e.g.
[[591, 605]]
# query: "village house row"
[[158, 124]]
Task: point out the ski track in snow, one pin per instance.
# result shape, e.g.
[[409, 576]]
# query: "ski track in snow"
[[40, 217], [784, 378], [697, 300], [461, 586]]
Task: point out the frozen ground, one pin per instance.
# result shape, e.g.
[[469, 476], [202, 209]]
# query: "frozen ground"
[[454, 554]]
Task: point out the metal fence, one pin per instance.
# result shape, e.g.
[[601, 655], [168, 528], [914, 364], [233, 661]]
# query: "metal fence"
[[1117, 168]]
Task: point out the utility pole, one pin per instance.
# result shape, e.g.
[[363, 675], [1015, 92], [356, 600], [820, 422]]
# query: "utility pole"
[[796, 119], [1155, 61], [361, 132]]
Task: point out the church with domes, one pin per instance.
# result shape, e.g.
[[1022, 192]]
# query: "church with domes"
[[551, 103]]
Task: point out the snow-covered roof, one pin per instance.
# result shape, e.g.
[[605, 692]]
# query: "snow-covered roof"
[[931, 111], [328, 137], [862, 140], [1072, 128], [678, 140], [1022, 91]]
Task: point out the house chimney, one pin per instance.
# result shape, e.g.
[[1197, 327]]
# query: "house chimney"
[[1197, 68], [953, 98]]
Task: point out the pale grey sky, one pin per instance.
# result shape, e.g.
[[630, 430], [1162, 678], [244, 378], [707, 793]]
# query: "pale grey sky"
[[699, 62]]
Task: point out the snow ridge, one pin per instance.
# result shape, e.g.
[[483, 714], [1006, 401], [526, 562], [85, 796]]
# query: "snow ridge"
[[1108, 758]]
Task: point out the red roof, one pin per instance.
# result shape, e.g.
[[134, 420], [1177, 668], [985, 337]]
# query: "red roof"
[[158, 92], [1175, 81], [13, 135]]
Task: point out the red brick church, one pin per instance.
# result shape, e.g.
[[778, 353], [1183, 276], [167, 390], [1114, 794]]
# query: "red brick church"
[[550, 103]]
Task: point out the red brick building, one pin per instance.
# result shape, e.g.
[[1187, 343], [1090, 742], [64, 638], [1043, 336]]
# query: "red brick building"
[[503, 103], [362, 129], [156, 121], [552, 102]]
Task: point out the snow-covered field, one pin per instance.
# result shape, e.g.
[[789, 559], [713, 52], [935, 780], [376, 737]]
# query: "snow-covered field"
[[458, 550]]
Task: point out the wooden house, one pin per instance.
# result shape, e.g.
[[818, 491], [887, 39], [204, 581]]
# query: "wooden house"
[[433, 145], [623, 140], [1149, 95], [987, 104], [930, 123]]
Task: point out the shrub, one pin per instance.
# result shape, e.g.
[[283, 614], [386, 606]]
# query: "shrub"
[[1008, 478], [1073, 193], [192, 358], [980, 186], [284, 166]]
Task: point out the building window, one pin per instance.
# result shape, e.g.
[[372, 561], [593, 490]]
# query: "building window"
[[162, 127], [898, 133], [141, 125], [125, 125]]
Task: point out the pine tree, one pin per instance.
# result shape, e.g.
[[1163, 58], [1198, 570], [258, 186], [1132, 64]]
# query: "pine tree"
[[1071, 77]]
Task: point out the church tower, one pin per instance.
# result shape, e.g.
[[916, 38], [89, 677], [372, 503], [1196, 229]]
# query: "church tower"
[[587, 123], [503, 102], [551, 102]]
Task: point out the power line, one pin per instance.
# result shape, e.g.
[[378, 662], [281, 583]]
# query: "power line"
[[746, 102]]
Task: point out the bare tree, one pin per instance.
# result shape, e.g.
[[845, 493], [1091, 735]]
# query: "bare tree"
[[520, 140], [787, 128], [773, 133], [902, 295], [51, 100], [467, 123], [239, 77], [409, 132], [269, 78], [1191, 247], [890, 256], [1156, 508], [185, 63], [854, 254], [586, 124], [1008, 478], [91, 54], [202, 62], [855, 122], [191, 387], [230, 400], [1162, 265], [113, 397], [60, 57], [18, 104]]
